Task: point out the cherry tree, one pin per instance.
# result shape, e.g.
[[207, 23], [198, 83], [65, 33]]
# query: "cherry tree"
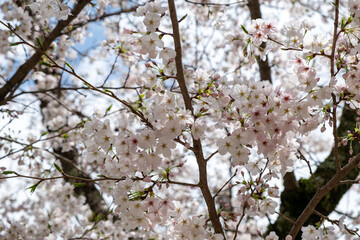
[[179, 119]]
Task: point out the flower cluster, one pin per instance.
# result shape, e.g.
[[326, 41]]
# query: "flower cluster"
[[50, 8], [156, 140]]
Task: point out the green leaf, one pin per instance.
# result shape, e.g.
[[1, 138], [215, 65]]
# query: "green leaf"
[[109, 108], [108, 91], [65, 135], [15, 43], [88, 85], [58, 168], [8, 172], [98, 217], [45, 64], [44, 133], [244, 29], [68, 64], [33, 187], [343, 22], [39, 42], [79, 184], [183, 17]]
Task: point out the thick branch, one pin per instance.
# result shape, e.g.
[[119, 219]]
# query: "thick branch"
[[178, 58], [197, 149], [334, 181]]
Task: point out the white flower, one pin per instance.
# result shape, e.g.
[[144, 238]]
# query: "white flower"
[[197, 130], [166, 54], [268, 206], [50, 8], [272, 236], [150, 42], [310, 233], [151, 21], [341, 223], [241, 156], [164, 147], [155, 7], [225, 145], [146, 139]]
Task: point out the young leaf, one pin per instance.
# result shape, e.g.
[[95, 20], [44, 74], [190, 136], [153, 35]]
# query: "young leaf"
[[109, 108], [15, 44], [343, 22], [79, 184], [244, 29], [98, 217], [45, 64], [183, 17], [8, 172], [33, 187], [68, 64], [108, 91], [58, 168], [39, 42]]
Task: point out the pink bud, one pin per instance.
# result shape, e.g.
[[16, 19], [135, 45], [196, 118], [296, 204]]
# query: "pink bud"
[[251, 201], [223, 214], [127, 31], [323, 129]]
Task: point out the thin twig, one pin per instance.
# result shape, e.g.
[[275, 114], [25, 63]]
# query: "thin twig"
[[311, 172], [211, 155], [335, 37], [227, 182], [285, 217]]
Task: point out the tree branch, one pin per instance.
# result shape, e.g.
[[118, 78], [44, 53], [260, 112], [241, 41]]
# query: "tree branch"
[[334, 181], [17, 79], [197, 149]]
